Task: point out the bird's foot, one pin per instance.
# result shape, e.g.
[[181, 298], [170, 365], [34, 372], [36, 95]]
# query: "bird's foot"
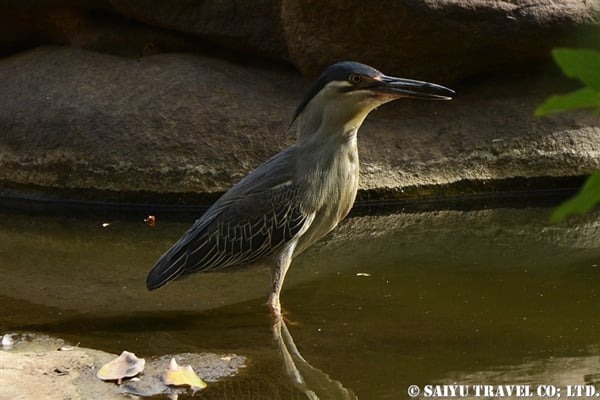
[[277, 313], [275, 307]]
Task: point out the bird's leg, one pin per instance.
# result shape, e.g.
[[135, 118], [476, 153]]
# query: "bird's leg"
[[278, 271], [278, 274]]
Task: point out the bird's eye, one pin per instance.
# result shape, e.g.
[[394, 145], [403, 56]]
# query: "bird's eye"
[[355, 79]]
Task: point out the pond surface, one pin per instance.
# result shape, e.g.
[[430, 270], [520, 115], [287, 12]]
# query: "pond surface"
[[491, 297]]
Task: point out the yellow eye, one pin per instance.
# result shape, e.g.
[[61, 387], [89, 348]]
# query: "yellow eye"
[[355, 79]]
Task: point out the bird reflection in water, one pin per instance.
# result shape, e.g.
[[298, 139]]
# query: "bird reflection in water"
[[313, 382]]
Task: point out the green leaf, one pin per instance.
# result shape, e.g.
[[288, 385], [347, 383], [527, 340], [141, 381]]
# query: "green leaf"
[[584, 201], [582, 64], [582, 98]]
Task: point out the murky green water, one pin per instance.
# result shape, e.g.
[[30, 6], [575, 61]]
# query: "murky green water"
[[466, 297]]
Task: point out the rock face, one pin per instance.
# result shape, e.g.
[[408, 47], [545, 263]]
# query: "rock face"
[[429, 39], [76, 119], [433, 39], [193, 106], [176, 123], [245, 27]]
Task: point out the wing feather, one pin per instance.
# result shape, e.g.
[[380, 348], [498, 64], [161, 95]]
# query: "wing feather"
[[248, 223]]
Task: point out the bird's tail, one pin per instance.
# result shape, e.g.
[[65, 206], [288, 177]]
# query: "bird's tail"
[[169, 267]]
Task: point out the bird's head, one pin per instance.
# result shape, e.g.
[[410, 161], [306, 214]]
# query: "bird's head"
[[347, 91]]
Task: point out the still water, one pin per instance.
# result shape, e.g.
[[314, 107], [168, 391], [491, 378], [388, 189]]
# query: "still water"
[[389, 300]]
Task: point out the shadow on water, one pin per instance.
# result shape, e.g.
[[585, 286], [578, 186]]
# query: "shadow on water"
[[488, 296]]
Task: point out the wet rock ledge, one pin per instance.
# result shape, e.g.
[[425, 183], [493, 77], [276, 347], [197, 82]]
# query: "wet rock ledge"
[[43, 367], [124, 101]]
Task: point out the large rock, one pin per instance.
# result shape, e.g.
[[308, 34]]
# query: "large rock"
[[83, 24], [434, 39], [246, 27], [136, 28], [428, 39], [73, 120]]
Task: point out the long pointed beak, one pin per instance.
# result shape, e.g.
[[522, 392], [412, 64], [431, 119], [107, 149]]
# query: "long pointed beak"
[[410, 88]]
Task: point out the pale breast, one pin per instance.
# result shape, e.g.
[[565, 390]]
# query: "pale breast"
[[337, 190]]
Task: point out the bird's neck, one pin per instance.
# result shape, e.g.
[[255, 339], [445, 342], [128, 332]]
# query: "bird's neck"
[[330, 163], [329, 128]]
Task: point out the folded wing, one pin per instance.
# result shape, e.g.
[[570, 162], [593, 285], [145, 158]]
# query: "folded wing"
[[248, 223]]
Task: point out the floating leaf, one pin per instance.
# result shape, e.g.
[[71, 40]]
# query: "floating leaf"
[[177, 375], [124, 366], [151, 220]]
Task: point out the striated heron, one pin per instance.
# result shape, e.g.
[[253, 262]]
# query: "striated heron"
[[300, 194]]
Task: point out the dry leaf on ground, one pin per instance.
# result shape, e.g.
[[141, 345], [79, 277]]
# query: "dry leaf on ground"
[[177, 375], [126, 365]]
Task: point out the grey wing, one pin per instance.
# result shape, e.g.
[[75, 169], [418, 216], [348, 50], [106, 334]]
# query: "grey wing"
[[239, 230]]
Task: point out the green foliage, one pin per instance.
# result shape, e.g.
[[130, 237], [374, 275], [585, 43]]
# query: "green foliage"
[[584, 65], [581, 64], [582, 98], [584, 201]]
